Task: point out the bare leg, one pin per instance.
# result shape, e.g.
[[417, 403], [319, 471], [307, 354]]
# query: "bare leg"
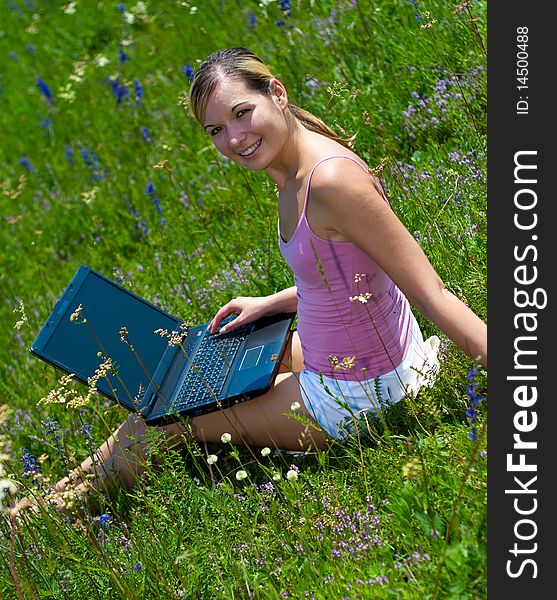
[[258, 422]]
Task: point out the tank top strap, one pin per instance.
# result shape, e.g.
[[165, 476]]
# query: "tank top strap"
[[363, 166]]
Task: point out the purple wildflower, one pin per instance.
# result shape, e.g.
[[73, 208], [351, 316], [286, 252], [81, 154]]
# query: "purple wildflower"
[[125, 542]]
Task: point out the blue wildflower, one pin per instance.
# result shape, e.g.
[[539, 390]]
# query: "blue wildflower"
[[30, 48], [138, 92], [119, 89], [117, 275], [415, 4], [43, 87], [121, 6], [103, 519], [29, 462], [45, 123], [286, 7], [472, 393], [91, 160], [150, 191], [137, 566], [122, 55], [252, 20], [140, 226], [26, 164], [86, 431], [188, 71], [145, 134], [68, 153]]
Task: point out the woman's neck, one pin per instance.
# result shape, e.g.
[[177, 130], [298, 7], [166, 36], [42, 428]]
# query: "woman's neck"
[[289, 161]]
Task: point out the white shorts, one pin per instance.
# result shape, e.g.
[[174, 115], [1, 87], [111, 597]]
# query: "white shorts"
[[336, 403]]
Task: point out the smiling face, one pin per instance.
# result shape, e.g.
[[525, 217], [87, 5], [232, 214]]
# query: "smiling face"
[[247, 126]]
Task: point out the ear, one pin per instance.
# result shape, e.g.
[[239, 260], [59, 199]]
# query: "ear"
[[278, 93]]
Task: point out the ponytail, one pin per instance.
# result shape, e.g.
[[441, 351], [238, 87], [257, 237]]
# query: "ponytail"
[[315, 124]]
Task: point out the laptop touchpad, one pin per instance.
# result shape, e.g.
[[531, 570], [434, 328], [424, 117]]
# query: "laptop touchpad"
[[251, 357]]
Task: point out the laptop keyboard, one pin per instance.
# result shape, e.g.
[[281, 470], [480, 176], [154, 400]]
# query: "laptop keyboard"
[[205, 379]]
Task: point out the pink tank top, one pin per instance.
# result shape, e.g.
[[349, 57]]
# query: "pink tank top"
[[348, 308]]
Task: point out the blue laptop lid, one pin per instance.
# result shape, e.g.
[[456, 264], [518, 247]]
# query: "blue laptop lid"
[[73, 347]]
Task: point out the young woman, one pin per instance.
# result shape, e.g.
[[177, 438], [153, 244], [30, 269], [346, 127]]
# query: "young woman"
[[356, 272]]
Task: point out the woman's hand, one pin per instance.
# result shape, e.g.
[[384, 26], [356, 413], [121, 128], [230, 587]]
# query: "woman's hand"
[[250, 309], [247, 308]]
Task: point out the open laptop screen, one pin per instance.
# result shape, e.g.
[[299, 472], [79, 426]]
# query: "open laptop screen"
[[74, 347]]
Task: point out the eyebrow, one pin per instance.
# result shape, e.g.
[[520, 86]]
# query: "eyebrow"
[[231, 110]]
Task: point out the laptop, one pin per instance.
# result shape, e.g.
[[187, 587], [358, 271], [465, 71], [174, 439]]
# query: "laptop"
[[178, 371]]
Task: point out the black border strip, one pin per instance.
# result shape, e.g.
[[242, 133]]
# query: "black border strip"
[[522, 426]]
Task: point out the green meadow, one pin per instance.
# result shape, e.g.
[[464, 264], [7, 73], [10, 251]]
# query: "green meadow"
[[101, 165]]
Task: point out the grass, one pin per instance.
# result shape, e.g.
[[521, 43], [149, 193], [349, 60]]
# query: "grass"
[[101, 166]]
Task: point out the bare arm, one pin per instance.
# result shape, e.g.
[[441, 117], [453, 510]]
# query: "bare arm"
[[349, 199], [252, 308]]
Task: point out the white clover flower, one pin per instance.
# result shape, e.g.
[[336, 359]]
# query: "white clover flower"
[[276, 476], [241, 474], [140, 8], [76, 313], [295, 406], [101, 60], [129, 18], [70, 8], [292, 475], [363, 298], [67, 93], [7, 486], [265, 451], [225, 438], [212, 459], [89, 195]]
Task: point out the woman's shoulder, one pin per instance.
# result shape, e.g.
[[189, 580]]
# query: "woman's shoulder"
[[339, 171], [328, 156]]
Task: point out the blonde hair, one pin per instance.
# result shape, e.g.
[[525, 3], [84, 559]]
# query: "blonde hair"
[[244, 64]]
